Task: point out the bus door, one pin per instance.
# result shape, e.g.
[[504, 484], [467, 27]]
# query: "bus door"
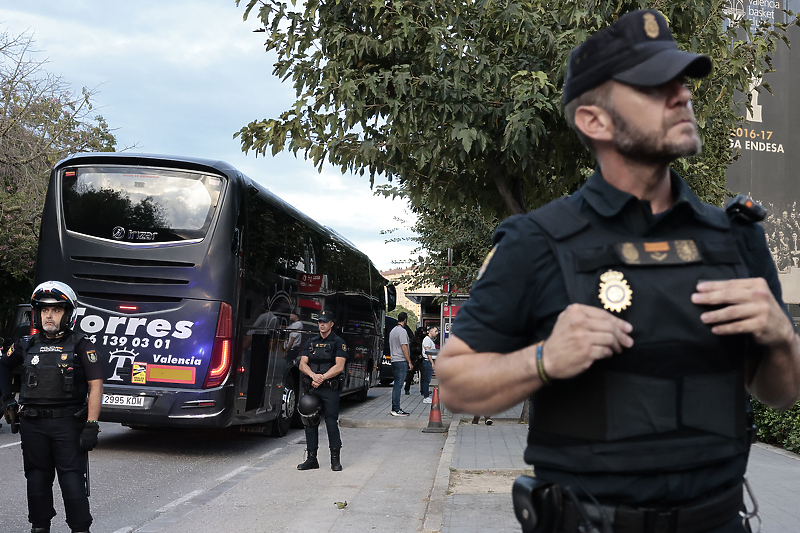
[[258, 370], [268, 364], [277, 370], [262, 339]]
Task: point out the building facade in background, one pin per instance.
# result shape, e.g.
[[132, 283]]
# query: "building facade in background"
[[769, 147]]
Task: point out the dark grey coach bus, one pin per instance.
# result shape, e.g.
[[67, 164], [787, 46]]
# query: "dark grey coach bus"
[[186, 273]]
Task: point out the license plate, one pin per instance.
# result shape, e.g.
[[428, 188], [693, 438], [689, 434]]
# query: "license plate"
[[122, 400]]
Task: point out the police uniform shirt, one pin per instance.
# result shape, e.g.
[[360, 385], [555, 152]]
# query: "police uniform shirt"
[[85, 351], [521, 291], [337, 347]]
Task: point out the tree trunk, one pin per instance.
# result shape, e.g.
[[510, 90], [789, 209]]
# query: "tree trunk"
[[512, 198]]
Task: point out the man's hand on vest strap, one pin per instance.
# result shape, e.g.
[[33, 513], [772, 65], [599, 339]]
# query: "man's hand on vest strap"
[[582, 335], [750, 307], [88, 438]]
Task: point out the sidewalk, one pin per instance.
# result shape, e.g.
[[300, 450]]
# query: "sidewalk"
[[376, 412], [401, 483], [484, 460], [472, 487]]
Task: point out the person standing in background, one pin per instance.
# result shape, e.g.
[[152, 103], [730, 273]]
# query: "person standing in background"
[[401, 360], [427, 362]]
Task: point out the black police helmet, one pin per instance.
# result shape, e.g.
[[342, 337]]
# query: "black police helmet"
[[309, 404]]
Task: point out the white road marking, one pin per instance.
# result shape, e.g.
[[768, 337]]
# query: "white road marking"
[[229, 475], [171, 511], [182, 499], [127, 529], [12, 444], [269, 454]]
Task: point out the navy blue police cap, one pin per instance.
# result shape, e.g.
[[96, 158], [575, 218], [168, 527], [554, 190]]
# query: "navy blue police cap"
[[325, 316], [638, 49]]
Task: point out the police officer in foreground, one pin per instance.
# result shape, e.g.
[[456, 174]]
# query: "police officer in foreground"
[[59, 403], [633, 315], [322, 363]]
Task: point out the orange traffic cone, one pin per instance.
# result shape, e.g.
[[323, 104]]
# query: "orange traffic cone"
[[435, 420]]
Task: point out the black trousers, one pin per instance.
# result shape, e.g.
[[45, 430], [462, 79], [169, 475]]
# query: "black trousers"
[[330, 411], [410, 375], [50, 446]]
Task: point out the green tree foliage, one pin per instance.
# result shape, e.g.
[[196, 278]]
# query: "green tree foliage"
[[41, 122], [780, 428], [466, 231], [458, 102], [412, 316]]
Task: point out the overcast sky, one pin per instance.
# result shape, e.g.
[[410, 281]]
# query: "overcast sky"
[[181, 77]]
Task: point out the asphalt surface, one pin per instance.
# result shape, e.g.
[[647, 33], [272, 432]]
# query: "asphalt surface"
[[396, 478]]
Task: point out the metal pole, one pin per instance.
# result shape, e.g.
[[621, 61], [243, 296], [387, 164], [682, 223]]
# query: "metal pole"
[[449, 290]]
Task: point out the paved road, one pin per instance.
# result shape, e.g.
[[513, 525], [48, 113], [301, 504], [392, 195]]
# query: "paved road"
[[142, 480], [136, 473]]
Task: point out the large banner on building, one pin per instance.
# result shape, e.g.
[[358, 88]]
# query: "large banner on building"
[[768, 167]]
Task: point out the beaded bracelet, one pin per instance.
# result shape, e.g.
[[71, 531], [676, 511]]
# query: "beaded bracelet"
[[540, 364]]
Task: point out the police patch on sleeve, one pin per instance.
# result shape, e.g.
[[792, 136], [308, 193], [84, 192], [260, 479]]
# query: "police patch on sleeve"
[[91, 355], [486, 263], [344, 347], [10, 351]]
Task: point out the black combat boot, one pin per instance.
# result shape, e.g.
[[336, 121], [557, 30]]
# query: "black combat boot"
[[311, 461], [40, 529], [336, 459]]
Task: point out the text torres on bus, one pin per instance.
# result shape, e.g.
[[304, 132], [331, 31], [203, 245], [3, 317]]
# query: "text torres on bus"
[[186, 272]]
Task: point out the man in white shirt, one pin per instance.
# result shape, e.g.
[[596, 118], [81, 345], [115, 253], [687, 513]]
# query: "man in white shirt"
[[427, 362]]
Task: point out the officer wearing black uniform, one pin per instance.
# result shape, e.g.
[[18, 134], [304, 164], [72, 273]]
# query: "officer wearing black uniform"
[[59, 403], [632, 314], [322, 363]]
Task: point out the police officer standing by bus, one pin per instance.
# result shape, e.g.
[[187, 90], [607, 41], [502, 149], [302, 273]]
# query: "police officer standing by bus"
[[322, 363], [59, 403], [634, 316]]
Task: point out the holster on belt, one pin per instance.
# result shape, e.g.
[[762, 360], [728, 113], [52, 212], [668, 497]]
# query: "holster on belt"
[[537, 504]]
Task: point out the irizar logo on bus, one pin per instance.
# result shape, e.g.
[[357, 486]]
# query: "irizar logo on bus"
[[119, 233]]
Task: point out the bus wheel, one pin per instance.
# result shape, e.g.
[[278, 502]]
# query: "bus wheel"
[[280, 426], [362, 394]]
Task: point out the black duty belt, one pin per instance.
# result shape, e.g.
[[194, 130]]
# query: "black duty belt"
[[42, 412], [690, 518]]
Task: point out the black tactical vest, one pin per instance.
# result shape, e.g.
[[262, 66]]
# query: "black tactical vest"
[[322, 354], [676, 399], [52, 375]]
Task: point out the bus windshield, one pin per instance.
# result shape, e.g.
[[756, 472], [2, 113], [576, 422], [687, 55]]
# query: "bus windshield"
[[139, 204]]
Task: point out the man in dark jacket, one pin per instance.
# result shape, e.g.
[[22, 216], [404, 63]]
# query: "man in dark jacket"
[[415, 351]]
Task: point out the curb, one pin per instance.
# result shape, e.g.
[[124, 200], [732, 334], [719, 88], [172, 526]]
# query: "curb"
[[434, 514], [382, 424], [775, 449]]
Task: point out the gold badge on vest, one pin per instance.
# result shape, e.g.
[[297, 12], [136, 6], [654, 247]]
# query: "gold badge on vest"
[[615, 293], [658, 253]]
